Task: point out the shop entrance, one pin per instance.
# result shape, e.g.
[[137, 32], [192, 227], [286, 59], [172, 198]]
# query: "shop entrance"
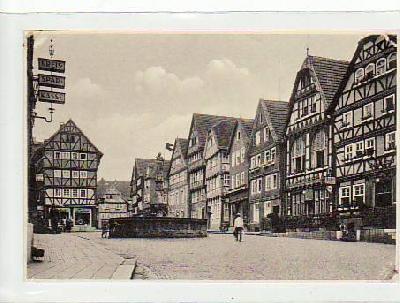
[[83, 216]]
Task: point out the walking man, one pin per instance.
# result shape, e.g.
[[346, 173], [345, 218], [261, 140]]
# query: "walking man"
[[238, 227]]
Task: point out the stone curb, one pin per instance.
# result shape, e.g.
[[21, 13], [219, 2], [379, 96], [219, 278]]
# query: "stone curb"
[[126, 270]]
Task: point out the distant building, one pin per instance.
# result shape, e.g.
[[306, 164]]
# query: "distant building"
[[365, 129], [266, 167], [178, 202], [199, 127], [216, 156], [149, 186], [238, 194], [309, 174], [66, 177], [111, 205]]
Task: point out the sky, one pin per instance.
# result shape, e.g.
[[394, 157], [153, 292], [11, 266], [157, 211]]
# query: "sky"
[[131, 93]]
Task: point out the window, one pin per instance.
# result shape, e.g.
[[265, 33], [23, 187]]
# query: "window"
[[359, 149], [347, 119], [75, 174], [390, 141], [274, 181], [238, 157], [370, 71], [358, 193], [271, 182], [392, 61], [238, 136], [65, 155], [258, 160], [359, 75], [66, 174], [66, 192], [267, 156], [258, 137], [344, 195], [389, 103], [259, 185], [56, 155], [381, 66], [83, 156], [57, 192], [320, 158], [256, 212], [253, 186], [83, 174], [233, 160], [57, 173], [242, 154], [298, 156], [74, 156], [226, 180], [242, 178], [370, 146], [268, 182], [348, 152], [273, 154], [233, 182], [238, 180], [253, 162], [83, 193], [266, 134], [368, 111], [74, 192]]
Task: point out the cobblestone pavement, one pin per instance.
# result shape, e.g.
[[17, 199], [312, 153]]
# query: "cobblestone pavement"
[[219, 257], [73, 256]]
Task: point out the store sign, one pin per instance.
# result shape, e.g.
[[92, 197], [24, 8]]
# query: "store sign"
[[51, 97], [39, 177], [57, 66], [82, 210], [51, 81]]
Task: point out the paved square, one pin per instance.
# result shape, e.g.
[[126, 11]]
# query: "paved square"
[[217, 257]]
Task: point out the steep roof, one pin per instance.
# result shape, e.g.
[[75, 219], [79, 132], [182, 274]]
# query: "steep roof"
[[203, 122], [276, 112], [247, 125], [71, 124], [329, 73], [183, 144], [392, 40], [223, 131], [142, 164]]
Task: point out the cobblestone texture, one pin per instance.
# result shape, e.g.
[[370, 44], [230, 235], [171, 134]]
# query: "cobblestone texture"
[[219, 257]]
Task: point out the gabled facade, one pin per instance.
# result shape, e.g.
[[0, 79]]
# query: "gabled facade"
[[111, 205], [149, 186], [199, 127], [66, 173], [238, 193], [266, 165], [178, 205], [364, 119], [309, 181], [216, 156]]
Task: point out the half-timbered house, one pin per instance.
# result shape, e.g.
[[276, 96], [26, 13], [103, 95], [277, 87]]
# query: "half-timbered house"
[[309, 175], [364, 114], [111, 205], [178, 205], [238, 149], [265, 161], [66, 172], [216, 156], [199, 127], [149, 186]]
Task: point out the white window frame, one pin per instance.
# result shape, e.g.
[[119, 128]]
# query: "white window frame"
[[57, 153], [66, 192], [75, 174], [266, 135], [274, 181], [84, 158], [359, 146], [348, 118], [242, 154], [74, 193], [83, 191], [357, 78], [258, 137], [355, 186], [348, 151], [242, 181], [83, 174], [57, 192], [371, 111], [74, 156], [273, 155], [385, 101], [268, 182], [390, 138], [66, 173], [57, 173], [348, 194], [253, 162], [371, 65], [259, 185], [258, 160], [368, 144]]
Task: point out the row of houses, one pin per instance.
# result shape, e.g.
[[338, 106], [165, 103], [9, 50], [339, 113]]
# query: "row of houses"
[[327, 152]]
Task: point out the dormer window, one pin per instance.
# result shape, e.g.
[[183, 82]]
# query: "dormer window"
[[359, 75], [392, 61], [381, 66], [370, 71]]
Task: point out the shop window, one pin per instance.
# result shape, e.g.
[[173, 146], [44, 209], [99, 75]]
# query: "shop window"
[[381, 66], [358, 194], [392, 61]]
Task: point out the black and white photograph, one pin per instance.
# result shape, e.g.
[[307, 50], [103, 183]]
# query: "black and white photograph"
[[267, 156]]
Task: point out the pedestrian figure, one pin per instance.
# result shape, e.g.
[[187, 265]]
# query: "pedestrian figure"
[[238, 227], [104, 230], [68, 225]]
